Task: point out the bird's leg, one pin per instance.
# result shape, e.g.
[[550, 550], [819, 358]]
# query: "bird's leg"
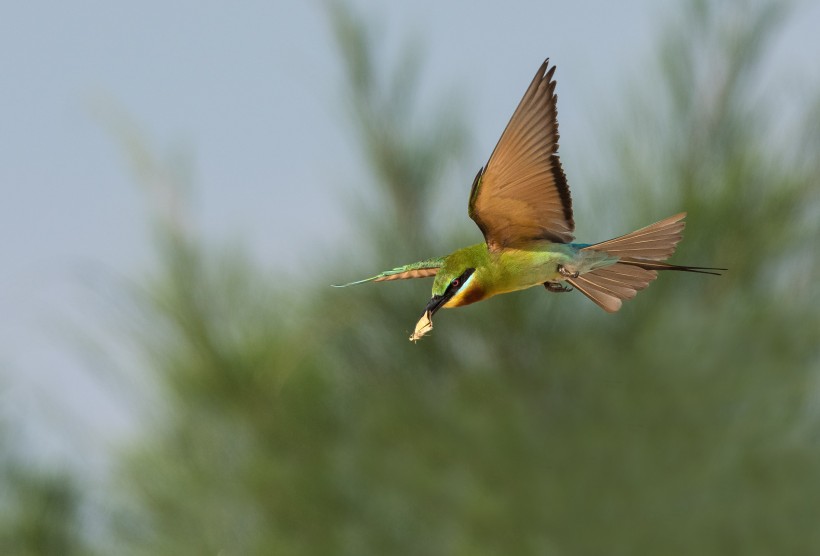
[[566, 273], [556, 287]]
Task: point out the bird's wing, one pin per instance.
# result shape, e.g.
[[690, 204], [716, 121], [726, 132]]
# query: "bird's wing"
[[522, 193], [421, 269]]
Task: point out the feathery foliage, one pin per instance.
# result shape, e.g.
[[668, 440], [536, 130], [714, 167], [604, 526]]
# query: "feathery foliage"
[[39, 508]]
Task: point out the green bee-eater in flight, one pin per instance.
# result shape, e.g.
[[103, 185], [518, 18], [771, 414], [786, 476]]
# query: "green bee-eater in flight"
[[521, 202]]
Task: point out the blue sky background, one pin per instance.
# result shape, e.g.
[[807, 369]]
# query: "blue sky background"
[[252, 91]]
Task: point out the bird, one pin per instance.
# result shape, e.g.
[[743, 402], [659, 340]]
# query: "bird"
[[521, 202]]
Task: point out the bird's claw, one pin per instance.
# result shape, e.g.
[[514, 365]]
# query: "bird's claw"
[[556, 287]]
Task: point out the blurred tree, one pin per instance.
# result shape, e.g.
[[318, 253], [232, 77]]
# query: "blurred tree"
[[39, 510], [299, 420]]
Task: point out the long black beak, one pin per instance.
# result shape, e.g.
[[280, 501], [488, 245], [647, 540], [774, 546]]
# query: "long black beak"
[[436, 303]]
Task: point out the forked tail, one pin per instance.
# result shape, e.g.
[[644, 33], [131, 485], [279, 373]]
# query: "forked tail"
[[641, 254]]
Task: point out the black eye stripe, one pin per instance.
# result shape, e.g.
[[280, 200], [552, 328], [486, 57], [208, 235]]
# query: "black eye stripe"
[[456, 282]]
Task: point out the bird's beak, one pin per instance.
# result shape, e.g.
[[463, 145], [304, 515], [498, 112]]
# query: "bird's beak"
[[436, 303], [425, 323]]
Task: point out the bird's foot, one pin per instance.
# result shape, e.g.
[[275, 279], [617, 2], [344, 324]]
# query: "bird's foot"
[[556, 287], [566, 273]]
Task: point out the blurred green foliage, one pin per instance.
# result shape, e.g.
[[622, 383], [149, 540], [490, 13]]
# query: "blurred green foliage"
[[294, 419], [40, 509]]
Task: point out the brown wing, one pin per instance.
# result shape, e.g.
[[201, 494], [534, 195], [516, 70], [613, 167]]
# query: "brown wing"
[[522, 193]]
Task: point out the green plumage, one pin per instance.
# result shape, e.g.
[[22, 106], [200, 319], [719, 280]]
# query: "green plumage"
[[521, 202], [421, 269]]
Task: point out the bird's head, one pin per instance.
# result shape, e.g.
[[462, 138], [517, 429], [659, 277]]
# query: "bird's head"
[[460, 280], [449, 285]]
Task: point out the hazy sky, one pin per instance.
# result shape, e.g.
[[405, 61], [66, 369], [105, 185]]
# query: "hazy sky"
[[251, 89]]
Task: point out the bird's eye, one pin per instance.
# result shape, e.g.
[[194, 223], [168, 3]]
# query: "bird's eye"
[[455, 282]]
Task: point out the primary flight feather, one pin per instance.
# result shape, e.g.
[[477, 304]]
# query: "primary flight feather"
[[521, 202]]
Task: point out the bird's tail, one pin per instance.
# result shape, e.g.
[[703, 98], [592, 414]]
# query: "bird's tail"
[[641, 255]]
